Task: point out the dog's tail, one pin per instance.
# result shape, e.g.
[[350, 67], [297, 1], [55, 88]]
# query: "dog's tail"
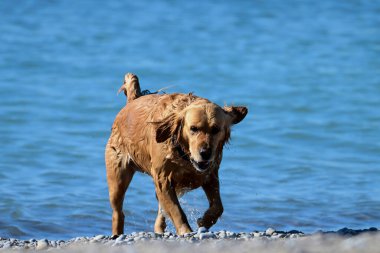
[[131, 87]]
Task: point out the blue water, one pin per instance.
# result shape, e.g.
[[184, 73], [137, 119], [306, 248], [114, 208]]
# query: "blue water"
[[306, 157]]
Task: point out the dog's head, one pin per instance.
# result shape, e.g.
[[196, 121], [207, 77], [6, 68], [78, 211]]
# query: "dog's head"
[[201, 129]]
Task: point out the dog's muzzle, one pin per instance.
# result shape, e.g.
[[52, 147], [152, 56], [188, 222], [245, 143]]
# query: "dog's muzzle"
[[201, 167]]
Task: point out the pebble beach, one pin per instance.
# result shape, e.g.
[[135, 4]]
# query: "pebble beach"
[[343, 240]]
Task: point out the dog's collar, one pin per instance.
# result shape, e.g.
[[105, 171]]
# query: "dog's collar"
[[179, 149]]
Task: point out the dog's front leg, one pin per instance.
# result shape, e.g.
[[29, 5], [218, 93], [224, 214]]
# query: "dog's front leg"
[[215, 210], [168, 200]]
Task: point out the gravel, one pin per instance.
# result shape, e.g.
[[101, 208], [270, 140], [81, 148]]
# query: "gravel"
[[270, 231], [269, 238], [202, 230], [43, 244]]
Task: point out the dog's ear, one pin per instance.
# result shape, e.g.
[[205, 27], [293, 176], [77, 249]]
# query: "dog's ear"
[[237, 113], [169, 126]]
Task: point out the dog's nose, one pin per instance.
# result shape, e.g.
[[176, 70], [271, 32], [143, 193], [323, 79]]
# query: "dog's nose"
[[205, 153]]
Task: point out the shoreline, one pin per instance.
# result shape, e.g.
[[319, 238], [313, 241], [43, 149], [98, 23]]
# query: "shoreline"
[[343, 240]]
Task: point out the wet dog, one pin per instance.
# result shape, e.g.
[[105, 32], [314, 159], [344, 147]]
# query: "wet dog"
[[178, 140]]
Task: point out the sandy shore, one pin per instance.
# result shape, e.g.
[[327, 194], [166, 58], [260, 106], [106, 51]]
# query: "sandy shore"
[[344, 240]]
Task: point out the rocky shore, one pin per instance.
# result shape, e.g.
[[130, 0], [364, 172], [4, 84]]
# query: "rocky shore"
[[343, 240]]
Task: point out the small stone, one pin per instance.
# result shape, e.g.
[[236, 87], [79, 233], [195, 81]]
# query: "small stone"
[[294, 232], [270, 231], [372, 229], [207, 235], [42, 244], [120, 238], [202, 230], [77, 239], [7, 245], [231, 234], [99, 237], [222, 235], [187, 235], [245, 236]]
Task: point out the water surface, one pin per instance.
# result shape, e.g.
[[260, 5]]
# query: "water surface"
[[306, 157]]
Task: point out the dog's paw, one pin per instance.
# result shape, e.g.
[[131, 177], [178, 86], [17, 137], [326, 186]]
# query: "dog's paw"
[[200, 222], [113, 237]]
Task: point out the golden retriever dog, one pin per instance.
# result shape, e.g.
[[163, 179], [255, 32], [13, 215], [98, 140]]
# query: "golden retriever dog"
[[178, 140]]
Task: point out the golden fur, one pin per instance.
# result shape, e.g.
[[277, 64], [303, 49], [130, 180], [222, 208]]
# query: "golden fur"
[[178, 140]]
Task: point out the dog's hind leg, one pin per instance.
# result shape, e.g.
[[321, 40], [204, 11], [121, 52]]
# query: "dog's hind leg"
[[119, 175], [160, 224], [167, 198]]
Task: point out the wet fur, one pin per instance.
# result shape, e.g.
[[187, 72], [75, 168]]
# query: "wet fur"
[[147, 135]]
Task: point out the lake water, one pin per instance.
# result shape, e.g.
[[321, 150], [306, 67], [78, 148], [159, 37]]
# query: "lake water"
[[306, 157]]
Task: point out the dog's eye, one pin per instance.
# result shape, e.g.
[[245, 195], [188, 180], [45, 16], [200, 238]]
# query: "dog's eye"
[[215, 130], [194, 129]]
